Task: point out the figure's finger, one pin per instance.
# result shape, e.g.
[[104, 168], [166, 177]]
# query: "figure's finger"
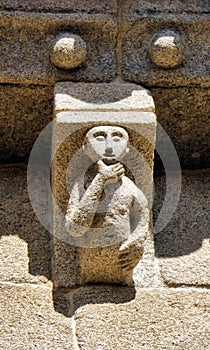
[[124, 255], [115, 165], [124, 248], [124, 261], [128, 267], [120, 172], [118, 167]]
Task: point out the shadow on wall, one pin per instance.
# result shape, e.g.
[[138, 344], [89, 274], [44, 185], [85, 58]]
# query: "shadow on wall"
[[68, 302], [18, 219], [189, 225]]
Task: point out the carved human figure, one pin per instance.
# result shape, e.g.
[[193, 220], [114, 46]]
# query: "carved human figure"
[[105, 207]]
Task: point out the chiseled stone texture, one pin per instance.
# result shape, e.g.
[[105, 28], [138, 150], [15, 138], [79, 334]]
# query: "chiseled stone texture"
[[24, 112], [24, 243], [102, 97], [183, 246], [29, 321], [87, 6], [137, 34], [155, 320], [78, 107], [134, 8], [184, 114], [27, 41]]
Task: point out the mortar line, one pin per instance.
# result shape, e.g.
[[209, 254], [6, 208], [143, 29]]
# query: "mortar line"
[[73, 326]]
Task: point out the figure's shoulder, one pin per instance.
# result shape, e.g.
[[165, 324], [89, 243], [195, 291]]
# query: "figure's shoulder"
[[77, 185], [136, 192], [129, 184]]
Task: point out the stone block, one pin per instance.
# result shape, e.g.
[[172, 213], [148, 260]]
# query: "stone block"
[[134, 9], [24, 243], [53, 6], [154, 320], [183, 246], [27, 41], [29, 320], [24, 112], [138, 33], [79, 107], [184, 114]]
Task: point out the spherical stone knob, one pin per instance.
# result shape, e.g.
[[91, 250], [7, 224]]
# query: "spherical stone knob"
[[166, 49], [69, 51]]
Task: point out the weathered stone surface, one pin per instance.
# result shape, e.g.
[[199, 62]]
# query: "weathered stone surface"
[[65, 264], [184, 114], [137, 65], [29, 320], [102, 104], [183, 246], [74, 6], [135, 8], [102, 97], [100, 294], [24, 112], [27, 42], [24, 244], [155, 319]]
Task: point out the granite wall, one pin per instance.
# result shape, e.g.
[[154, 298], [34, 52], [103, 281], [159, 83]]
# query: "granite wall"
[[163, 46]]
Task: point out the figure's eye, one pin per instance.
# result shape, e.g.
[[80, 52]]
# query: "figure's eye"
[[116, 138], [100, 138]]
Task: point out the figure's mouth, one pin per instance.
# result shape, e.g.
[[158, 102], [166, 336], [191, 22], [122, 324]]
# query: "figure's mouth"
[[110, 160], [109, 155]]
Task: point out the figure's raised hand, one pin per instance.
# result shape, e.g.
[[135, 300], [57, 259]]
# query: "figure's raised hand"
[[112, 172]]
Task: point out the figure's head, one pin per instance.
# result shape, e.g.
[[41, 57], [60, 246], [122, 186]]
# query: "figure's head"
[[108, 143]]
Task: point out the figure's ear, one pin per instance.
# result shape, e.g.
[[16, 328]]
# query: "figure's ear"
[[85, 148], [127, 150]]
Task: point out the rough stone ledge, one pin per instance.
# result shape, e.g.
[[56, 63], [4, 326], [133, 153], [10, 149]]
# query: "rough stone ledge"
[[129, 8], [73, 6], [102, 97], [135, 8], [30, 321], [158, 319]]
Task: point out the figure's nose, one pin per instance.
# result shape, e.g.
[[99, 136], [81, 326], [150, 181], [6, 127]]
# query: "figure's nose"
[[108, 149]]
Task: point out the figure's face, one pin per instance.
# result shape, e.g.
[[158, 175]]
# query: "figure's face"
[[108, 143]]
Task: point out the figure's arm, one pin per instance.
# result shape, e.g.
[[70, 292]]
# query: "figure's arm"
[[140, 216], [80, 212], [131, 250]]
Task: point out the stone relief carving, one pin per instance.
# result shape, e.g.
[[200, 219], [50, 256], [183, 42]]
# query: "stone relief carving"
[[106, 209]]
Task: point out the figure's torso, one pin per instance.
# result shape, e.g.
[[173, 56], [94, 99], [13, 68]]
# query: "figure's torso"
[[111, 223]]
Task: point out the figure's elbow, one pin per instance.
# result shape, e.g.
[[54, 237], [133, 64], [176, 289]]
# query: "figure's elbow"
[[74, 229]]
